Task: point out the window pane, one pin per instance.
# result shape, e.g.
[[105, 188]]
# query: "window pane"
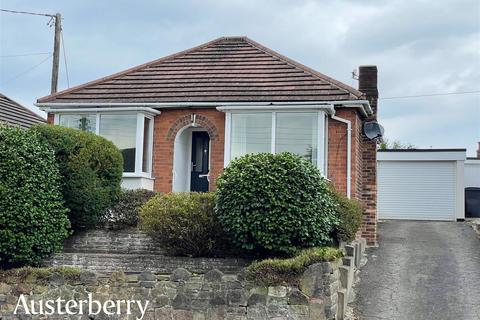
[[297, 133], [146, 146], [121, 130], [84, 122], [251, 133]]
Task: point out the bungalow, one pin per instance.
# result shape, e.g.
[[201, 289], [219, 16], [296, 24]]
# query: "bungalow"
[[181, 119]]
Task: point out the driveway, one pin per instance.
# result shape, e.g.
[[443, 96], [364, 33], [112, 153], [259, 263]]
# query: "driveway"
[[421, 270]]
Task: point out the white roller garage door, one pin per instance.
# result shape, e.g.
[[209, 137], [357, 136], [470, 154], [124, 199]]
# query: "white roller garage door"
[[417, 190]]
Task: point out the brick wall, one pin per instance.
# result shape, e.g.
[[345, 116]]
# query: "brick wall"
[[166, 128], [50, 118], [337, 152], [368, 85]]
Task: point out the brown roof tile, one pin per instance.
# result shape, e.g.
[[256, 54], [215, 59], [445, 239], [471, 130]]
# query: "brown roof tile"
[[13, 113], [229, 69]]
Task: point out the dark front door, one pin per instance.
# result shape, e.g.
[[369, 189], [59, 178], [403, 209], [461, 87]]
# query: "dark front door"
[[200, 159]]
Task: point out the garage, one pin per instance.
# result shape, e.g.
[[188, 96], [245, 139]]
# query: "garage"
[[421, 184]]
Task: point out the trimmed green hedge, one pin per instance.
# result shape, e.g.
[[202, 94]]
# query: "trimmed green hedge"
[[33, 218], [184, 224], [91, 169], [126, 212], [273, 272], [275, 204], [350, 216]]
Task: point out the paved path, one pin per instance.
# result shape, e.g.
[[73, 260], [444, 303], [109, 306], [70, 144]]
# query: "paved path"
[[421, 270]]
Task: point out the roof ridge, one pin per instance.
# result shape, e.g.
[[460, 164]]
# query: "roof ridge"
[[129, 70], [356, 93]]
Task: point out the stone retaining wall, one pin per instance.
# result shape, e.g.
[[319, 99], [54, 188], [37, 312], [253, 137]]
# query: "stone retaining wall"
[[186, 288], [189, 296]]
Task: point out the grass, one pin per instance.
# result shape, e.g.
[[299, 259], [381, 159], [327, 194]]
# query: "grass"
[[39, 275], [272, 272]]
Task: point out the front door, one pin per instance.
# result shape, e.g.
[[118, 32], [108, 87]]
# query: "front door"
[[200, 161]]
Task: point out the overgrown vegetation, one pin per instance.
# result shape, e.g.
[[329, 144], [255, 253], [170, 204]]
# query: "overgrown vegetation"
[[91, 169], [33, 218], [39, 276], [126, 212], [272, 272], [184, 224], [350, 216], [275, 204]]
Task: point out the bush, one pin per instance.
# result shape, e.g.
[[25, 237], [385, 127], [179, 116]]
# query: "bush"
[[40, 276], [91, 167], [275, 203], [350, 216], [273, 272], [33, 218], [184, 224], [125, 213]]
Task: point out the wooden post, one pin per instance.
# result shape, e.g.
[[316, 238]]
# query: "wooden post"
[[56, 52]]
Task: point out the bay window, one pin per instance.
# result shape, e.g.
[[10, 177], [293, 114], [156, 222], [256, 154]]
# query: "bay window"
[[251, 133], [299, 132], [121, 129], [132, 133], [84, 122]]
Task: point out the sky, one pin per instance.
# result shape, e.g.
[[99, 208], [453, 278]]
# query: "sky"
[[420, 47]]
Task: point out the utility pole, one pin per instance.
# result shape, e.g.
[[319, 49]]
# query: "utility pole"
[[56, 52]]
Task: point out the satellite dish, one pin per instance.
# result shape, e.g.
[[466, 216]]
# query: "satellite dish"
[[373, 130]]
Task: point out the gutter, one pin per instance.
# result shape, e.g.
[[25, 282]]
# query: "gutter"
[[362, 105], [97, 109], [327, 107]]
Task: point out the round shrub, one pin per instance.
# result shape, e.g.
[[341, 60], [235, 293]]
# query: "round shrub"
[[125, 213], [184, 224], [33, 218], [91, 169], [275, 204], [350, 216]]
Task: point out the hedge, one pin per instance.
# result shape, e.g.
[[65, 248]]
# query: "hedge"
[[91, 169], [33, 218], [275, 204], [350, 216], [184, 224], [126, 212]]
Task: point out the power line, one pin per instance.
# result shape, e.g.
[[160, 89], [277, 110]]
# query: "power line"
[[30, 13], [28, 70], [25, 54], [430, 95], [65, 59]]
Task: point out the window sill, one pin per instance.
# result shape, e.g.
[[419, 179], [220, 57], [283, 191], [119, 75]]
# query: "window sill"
[[137, 175]]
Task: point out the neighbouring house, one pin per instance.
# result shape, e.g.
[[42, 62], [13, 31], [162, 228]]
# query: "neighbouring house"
[[13, 113], [181, 119]]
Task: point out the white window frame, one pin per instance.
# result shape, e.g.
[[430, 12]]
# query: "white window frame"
[[138, 142], [321, 133]]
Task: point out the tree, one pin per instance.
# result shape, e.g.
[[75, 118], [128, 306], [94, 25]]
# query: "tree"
[[395, 144]]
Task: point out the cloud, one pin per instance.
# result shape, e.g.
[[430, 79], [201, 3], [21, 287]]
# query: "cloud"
[[421, 46]]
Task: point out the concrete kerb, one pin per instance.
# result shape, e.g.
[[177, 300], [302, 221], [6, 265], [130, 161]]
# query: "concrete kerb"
[[351, 262]]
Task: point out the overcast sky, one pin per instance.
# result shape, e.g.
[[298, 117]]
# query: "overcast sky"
[[420, 47]]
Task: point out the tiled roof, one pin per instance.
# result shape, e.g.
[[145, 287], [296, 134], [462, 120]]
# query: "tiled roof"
[[229, 69], [14, 113]]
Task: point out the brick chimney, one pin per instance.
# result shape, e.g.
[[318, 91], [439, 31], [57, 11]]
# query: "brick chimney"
[[367, 83]]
